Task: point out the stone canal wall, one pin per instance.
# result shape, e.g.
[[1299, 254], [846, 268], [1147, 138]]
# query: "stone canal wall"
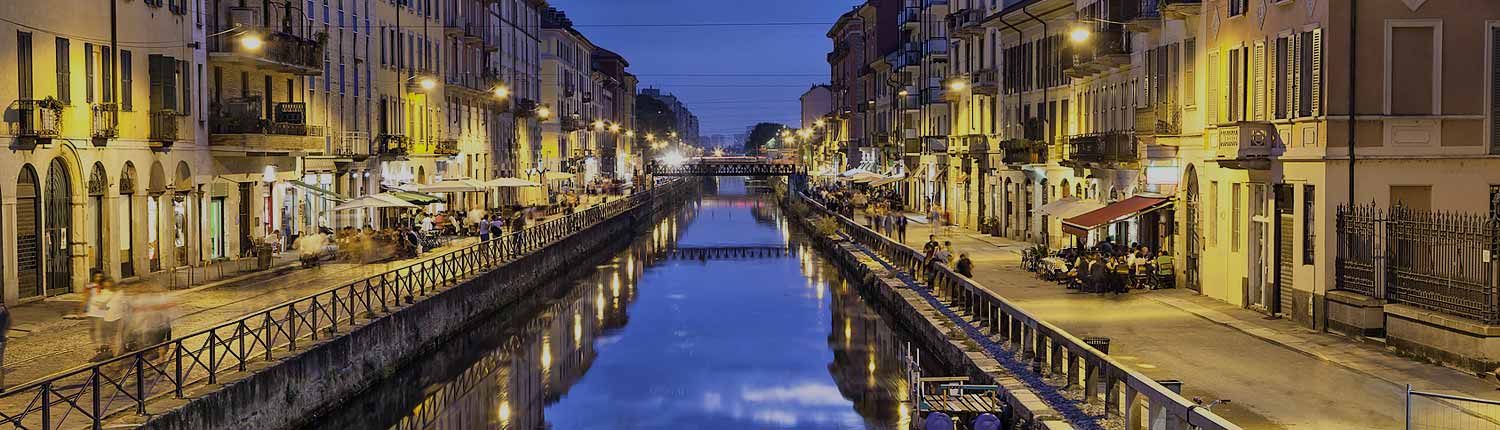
[[287, 392], [935, 333]]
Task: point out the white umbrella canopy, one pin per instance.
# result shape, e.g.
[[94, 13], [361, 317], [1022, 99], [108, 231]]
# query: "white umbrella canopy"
[[1068, 207], [558, 176], [375, 201], [855, 172], [453, 186], [510, 183]]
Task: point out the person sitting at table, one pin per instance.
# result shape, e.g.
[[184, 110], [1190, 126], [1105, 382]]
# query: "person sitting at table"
[[1081, 274]]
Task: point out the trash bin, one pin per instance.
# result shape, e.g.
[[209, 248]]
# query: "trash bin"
[[262, 257], [1098, 342]]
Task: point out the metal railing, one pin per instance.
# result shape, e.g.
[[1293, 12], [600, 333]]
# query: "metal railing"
[[1106, 382], [104, 121], [85, 396], [1437, 411], [1437, 261], [163, 127], [41, 118]]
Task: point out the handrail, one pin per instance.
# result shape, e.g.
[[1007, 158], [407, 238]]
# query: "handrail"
[[1041, 341], [92, 392]]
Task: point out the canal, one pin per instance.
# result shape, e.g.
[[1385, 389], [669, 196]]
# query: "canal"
[[718, 317]]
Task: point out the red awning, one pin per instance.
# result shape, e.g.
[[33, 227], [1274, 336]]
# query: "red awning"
[[1080, 225]]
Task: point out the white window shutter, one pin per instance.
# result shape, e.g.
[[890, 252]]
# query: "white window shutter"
[[1295, 55], [1317, 72], [1260, 80], [1213, 88]]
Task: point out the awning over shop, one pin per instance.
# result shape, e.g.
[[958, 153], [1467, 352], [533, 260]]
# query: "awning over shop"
[[1068, 207], [1080, 225], [416, 197], [330, 195]]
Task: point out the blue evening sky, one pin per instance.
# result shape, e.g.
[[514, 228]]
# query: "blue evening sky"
[[660, 56]]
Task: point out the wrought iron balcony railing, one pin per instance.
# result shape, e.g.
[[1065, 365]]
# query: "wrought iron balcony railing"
[[1108, 148], [388, 144], [37, 121], [1024, 151], [104, 122], [163, 131]]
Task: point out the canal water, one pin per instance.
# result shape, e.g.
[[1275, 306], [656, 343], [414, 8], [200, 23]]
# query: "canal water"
[[720, 317]]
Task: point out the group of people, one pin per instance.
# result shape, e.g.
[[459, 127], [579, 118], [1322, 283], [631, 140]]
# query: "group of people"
[[884, 219], [1111, 268], [936, 254], [125, 319]]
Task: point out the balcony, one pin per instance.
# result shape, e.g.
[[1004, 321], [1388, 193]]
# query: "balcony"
[[909, 102], [1111, 149], [1107, 47], [104, 122], [1248, 145], [432, 146], [238, 125], [937, 48], [1022, 152], [571, 124], [985, 81], [934, 95], [37, 122], [163, 128], [281, 51], [391, 145], [966, 23], [354, 145], [1163, 119], [473, 33], [454, 27], [1180, 9], [910, 17], [1145, 16]]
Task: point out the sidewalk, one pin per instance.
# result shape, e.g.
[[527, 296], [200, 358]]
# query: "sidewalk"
[[1278, 375], [42, 342]]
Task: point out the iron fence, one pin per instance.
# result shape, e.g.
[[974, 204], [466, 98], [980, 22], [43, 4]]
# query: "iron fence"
[[85, 396], [1438, 261], [1434, 411], [1124, 393]]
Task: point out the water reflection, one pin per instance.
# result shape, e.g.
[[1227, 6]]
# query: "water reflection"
[[654, 340]]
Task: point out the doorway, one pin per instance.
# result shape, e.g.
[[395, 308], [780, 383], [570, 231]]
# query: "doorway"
[[28, 234], [216, 228], [1194, 233], [59, 223]]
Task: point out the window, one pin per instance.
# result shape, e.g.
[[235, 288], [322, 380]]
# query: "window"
[[1189, 64], [127, 98], [1236, 88], [162, 71], [107, 73], [1213, 89], [1311, 62], [185, 79], [23, 64], [1213, 213], [64, 72], [1309, 216], [1234, 217], [1281, 85], [88, 73], [1494, 107], [1238, 7], [1412, 78]]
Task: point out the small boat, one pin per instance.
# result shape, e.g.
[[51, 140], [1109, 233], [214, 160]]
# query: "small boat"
[[951, 402]]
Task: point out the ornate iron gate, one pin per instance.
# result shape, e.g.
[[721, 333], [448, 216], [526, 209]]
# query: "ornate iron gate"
[[1438, 261], [59, 222], [1194, 235]]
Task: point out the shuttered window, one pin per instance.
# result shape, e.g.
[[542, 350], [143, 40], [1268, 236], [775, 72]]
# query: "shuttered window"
[[1315, 81], [64, 71], [88, 73], [1307, 76], [23, 65], [127, 87], [1281, 83], [1189, 66], [1258, 69], [1212, 83]]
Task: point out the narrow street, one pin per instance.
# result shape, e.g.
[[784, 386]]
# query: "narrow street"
[[1275, 374]]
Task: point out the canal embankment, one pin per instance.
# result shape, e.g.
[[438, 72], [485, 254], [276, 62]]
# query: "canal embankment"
[[283, 393], [937, 334]]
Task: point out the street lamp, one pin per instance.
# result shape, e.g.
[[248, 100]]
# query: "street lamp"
[[251, 41], [614, 128], [427, 83], [543, 113], [502, 92], [958, 85], [1079, 34]]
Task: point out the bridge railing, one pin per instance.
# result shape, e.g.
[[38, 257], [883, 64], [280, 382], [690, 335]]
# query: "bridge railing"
[[712, 168], [1123, 392], [85, 396]]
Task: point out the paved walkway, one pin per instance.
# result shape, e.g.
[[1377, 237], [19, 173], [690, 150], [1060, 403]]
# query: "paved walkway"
[[1277, 374], [43, 342]]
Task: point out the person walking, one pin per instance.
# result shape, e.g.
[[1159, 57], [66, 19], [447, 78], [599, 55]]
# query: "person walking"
[[484, 228], [901, 227], [964, 266]]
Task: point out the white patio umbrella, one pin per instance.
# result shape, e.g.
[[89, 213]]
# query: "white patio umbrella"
[[510, 183], [375, 201], [453, 186]]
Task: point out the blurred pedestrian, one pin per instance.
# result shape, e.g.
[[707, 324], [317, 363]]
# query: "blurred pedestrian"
[[964, 266], [107, 309], [901, 227], [4, 338]]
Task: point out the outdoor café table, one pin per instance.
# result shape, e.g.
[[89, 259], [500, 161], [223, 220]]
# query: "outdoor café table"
[[1054, 266]]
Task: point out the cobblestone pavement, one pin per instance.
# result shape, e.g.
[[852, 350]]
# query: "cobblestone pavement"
[[1277, 374]]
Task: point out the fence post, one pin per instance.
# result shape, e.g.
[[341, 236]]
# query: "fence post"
[[1408, 407]]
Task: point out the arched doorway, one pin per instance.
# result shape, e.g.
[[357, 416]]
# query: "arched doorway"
[[182, 188], [1194, 231], [59, 220], [154, 191], [28, 234], [97, 224], [125, 230]]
